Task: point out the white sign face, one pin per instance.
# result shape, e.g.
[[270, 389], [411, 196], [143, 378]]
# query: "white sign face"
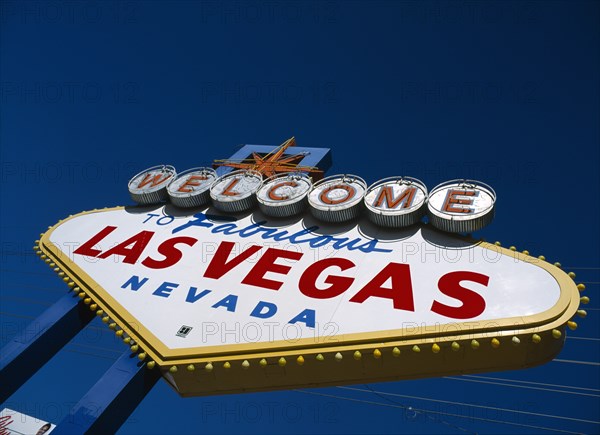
[[203, 281], [16, 423]]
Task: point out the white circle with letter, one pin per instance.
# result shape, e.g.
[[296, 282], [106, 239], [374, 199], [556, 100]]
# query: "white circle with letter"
[[150, 185], [337, 198], [396, 202], [191, 188], [284, 194], [236, 191], [461, 206]]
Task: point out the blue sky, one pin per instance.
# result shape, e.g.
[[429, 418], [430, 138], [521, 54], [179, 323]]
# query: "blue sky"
[[504, 92]]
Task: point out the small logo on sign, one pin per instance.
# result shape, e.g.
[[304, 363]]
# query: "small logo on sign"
[[184, 331]]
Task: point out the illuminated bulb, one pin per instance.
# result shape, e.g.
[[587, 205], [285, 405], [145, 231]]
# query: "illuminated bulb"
[[396, 352], [513, 248], [56, 269], [191, 368], [495, 343], [226, 365], [134, 348], [455, 346], [71, 284], [497, 243], [556, 333], [208, 367], [38, 252], [572, 325], [112, 325], [357, 355], [61, 273], [435, 348], [52, 264], [557, 264], [105, 319], [126, 340], [541, 257], [245, 364], [173, 369], [526, 252], [99, 312], [81, 295], [47, 260], [416, 349], [515, 341], [87, 301], [76, 289], [142, 356], [43, 256], [582, 313], [119, 333], [66, 279], [150, 364], [263, 362], [572, 275], [585, 300], [377, 353], [474, 344], [282, 362], [536, 338], [320, 357], [581, 287], [338, 357], [300, 360], [93, 307]]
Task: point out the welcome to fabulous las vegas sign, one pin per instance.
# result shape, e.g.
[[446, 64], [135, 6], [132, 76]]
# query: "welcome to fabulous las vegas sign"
[[269, 276]]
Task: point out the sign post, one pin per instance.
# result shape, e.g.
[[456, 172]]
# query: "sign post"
[[36, 345]]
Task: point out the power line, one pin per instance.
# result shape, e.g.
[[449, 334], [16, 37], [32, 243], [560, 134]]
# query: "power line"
[[90, 354], [572, 361], [494, 408], [37, 287], [25, 316], [437, 412], [531, 382], [48, 273], [462, 429], [28, 301], [583, 338], [103, 349], [521, 386]]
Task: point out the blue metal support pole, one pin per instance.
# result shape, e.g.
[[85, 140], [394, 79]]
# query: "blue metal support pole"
[[108, 404], [33, 347]]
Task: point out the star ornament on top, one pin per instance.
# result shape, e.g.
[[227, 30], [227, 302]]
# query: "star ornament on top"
[[273, 163]]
